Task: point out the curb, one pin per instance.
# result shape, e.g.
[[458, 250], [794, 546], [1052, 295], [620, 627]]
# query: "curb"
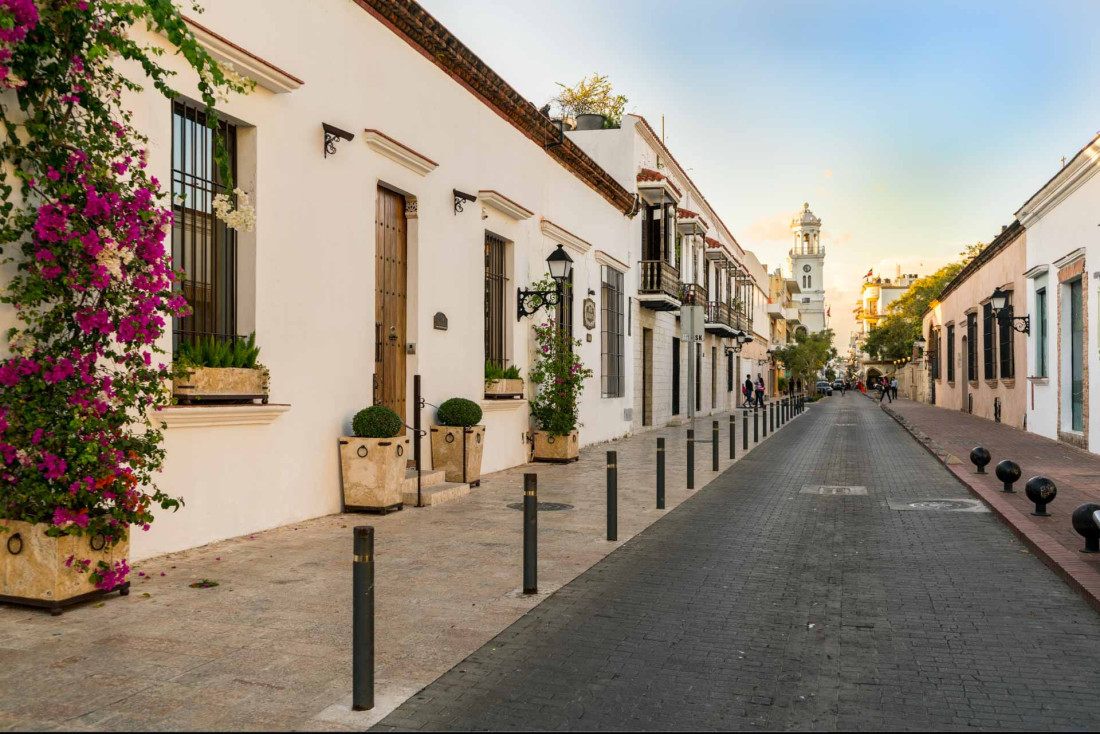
[[1079, 575]]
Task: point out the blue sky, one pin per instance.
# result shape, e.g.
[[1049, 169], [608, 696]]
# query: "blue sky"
[[912, 129]]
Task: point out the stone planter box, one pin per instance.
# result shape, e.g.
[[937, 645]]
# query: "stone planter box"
[[33, 570], [457, 451], [214, 384], [556, 449], [504, 389], [373, 471]]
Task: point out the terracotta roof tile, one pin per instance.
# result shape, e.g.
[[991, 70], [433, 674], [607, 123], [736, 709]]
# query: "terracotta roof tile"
[[649, 175]]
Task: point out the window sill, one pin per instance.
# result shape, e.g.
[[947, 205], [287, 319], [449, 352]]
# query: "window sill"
[[496, 406], [991, 383], [210, 416], [1039, 380], [1009, 384]]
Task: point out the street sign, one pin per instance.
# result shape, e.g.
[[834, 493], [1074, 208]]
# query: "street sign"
[[691, 323]]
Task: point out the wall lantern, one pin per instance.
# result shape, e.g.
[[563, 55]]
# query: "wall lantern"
[[998, 303], [560, 265], [920, 344], [741, 339], [332, 134]]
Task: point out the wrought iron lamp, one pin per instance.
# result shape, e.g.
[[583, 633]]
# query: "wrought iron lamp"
[[740, 339], [528, 302], [998, 303]]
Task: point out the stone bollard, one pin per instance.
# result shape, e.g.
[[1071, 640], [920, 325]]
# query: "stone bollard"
[[1008, 472], [979, 457], [1041, 491], [1086, 526]]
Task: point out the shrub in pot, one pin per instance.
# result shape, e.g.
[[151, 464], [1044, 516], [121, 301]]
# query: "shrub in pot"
[[210, 370], [559, 376], [503, 382], [373, 461], [458, 440]]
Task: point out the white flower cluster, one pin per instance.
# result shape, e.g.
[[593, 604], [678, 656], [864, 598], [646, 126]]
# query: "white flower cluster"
[[113, 258], [241, 217], [22, 344], [233, 81]]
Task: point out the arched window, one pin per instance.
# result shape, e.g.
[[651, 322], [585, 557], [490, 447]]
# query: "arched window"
[[809, 281]]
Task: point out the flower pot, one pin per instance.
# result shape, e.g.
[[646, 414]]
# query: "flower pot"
[[590, 121], [567, 124], [559, 449], [33, 570], [504, 389], [373, 471], [213, 384], [457, 451]]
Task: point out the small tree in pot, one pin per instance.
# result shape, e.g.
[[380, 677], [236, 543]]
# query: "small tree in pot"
[[559, 376], [374, 460], [592, 103], [458, 441]]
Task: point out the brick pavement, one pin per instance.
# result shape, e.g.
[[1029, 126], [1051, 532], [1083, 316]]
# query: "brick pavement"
[[754, 605], [952, 434]]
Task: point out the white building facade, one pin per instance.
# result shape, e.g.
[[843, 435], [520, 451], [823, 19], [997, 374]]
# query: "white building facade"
[[806, 261]]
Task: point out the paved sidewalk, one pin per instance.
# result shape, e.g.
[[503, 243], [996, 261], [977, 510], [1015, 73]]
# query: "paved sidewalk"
[[763, 605], [270, 647]]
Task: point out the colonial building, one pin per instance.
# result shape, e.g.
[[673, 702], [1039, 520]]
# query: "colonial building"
[[1063, 242], [806, 261], [783, 294], [876, 295], [976, 358]]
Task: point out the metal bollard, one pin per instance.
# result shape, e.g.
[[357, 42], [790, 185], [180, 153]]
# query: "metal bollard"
[[745, 430], [1041, 491], [733, 436], [714, 446], [1008, 472], [612, 496], [979, 457], [691, 459], [771, 417], [362, 611], [660, 474], [1086, 527], [755, 427], [530, 533], [764, 420]]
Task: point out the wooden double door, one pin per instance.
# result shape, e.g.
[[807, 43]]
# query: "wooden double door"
[[391, 275]]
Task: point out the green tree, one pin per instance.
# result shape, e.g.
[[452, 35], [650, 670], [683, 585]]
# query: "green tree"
[[807, 354]]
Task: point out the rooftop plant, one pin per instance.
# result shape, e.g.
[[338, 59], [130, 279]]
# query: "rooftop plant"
[[83, 227], [591, 96]]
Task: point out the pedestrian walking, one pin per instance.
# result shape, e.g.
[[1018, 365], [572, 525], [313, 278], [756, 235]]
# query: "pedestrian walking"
[[747, 391], [885, 390], [760, 390], [894, 387]]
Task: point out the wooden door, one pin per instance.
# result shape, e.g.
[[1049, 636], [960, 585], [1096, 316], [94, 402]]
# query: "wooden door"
[[390, 300]]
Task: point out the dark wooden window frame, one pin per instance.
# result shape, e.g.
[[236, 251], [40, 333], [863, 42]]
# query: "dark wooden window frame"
[[496, 289], [612, 333]]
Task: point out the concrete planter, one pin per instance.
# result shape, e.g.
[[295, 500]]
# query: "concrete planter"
[[457, 451], [556, 449], [221, 384], [33, 570], [504, 389], [373, 471]]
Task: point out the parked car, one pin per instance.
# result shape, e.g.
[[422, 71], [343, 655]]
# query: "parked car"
[[838, 385], [824, 388]]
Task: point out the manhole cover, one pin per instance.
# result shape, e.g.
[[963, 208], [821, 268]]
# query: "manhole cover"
[[940, 505], [543, 506], [832, 489]]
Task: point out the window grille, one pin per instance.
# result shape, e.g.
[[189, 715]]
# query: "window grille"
[[1005, 331], [987, 342], [495, 290]]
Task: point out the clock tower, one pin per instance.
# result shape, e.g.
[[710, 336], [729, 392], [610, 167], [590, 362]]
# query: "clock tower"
[[807, 263]]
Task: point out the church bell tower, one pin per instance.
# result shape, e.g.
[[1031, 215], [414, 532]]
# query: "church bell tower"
[[807, 263]]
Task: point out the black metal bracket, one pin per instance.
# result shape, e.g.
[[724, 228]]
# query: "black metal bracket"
[[332, 134], [529, 302], [1021, 324], [461, 198]]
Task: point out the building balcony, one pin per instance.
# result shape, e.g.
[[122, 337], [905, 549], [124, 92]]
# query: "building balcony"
[[659, 287], [790, 313], [693, 294], [719, 319], [775, 311]]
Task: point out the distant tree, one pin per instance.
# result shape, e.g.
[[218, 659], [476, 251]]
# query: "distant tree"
[[807, 354]]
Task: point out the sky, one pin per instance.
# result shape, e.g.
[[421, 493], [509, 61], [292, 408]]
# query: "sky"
[[911, 128]]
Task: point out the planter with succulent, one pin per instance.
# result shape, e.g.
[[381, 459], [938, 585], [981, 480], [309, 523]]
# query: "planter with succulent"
[[458, 441], [503, 383], [592, 103], [559, 376], [223, 372], [373, 461]]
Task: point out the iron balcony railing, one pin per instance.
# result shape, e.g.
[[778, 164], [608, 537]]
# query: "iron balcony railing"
[[693, 294], [659, 278], [719, 313]]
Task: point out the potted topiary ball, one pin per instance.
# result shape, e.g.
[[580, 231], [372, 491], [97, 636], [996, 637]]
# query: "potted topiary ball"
[[458, 441], [374, 460]]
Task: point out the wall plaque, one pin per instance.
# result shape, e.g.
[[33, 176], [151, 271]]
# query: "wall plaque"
[[589, 314], [440, 321]]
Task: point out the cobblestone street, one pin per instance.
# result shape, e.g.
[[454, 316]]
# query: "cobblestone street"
[[767, 601]]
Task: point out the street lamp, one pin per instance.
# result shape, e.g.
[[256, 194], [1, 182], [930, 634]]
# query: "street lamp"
[[560, 265], [998, 303], [742, 339]]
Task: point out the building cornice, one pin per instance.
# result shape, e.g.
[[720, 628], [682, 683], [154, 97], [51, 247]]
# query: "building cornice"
[[1070, 258], [611, 261], [248, 64], [504, 205], [994, 248], [427, 35], [564, 237], [1070, 178], [398, 152]]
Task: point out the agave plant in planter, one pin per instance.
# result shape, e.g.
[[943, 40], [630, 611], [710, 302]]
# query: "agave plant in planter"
[[458, 441], [503, 382], [373, 461], [559, 376], [209, 370]]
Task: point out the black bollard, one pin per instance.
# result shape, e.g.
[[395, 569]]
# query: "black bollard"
[[771, 416], [764, 419], [1085, 525], [755, 427], [1008, 472], [1041, 491], [362, 610], [660, 474], [612, 496], [691, 459], [714, 446], [979, 457], [733, 436], [530, 533], [745, 430]]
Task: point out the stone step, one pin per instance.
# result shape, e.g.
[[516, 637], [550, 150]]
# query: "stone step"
[[428, 478], [436, 494]]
